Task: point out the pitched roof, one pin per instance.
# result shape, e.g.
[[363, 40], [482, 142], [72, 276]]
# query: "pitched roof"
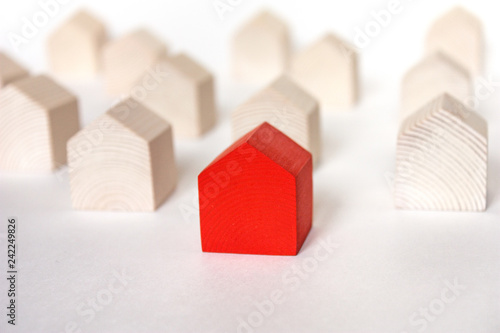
[[138, 119], [43, 91], [275, 145]]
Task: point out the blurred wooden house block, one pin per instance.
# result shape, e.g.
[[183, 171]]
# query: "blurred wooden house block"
[[130, 168], [287, 107], [182, 92], [434, 75], [38, 116], [260, 49], [442, 158], [10, 70], [126, 59], [328, 70], [74, 48], [459, 34]]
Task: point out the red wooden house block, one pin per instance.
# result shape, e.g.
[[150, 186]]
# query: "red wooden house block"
[[256, 197]]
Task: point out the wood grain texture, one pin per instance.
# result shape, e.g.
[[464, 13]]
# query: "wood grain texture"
[[123, 161], [126, 59], [38, 116], [459, 34], [10, 70], [435, 75], [328, 69], [287, 107], [182, 92], [74, 48], [256, 197], [260, 49], [441, 158]]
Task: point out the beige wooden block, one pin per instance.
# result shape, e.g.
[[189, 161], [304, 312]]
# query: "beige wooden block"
[[328, 69], [441, 158], [183, 95], [126, 59], [38, 116], [458, 33], [260, 49], [434, 75], [287, 107], [10, 70], [124, 160], [74, 48]]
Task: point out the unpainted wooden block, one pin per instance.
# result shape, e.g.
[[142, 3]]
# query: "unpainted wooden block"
[[10, 70], [459, 34], [434, 75], [126, 59], [260, 49], [123, 160], [328, 69], [74, 48], [38, 116], [256, 197], [182, 92], [287, 107], [441, 158]]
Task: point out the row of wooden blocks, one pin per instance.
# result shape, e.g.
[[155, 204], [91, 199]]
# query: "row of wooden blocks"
[[327, 69], [260, 53], [259, 190], [442, 145]]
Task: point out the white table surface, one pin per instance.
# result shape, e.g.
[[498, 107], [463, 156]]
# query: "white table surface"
[[385, 265]]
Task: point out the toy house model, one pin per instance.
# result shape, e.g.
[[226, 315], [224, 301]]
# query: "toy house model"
[[38, 116], [74, 49], [123, 161], [260, 49], [329, 71], [458, 34], [10, 70], [434, 75], [287, 107], [126, 59], [183, 95], [441, 158], [256, 197]]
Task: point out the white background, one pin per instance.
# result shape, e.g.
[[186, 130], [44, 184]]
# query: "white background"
[[386, 264]]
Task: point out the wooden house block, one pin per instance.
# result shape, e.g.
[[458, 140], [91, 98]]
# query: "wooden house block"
[[260, 49], [126, 59], [183, 95], [434, 75], [287, 107], [74, 49], [256, 197], [328, 70], [38, 116], [458, 34], [10, 70], [441, 158], [124, 160]]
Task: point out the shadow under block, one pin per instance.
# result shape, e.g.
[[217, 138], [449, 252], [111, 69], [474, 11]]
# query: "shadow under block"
[[182, 92], [287, 107], [260, 49], [122, 161], [441, 158], [459, 34], [126, 59], [74, 49], [328, 70], [436, 74], [256, 197], [10, 70], [38, 116]]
